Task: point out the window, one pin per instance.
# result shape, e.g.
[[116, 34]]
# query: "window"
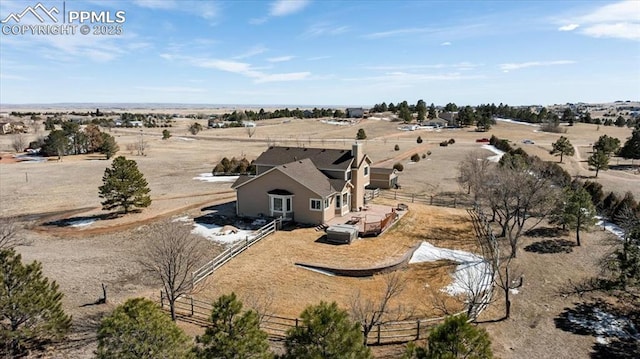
[[277, 204], [366, 170], [280, 205], [326, 203], [316, 205], [338, 200]]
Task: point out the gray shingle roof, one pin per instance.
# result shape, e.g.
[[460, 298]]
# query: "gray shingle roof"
[[322, 158], [306, 173]]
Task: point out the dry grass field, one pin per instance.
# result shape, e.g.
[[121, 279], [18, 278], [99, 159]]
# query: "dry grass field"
[[82, 258]]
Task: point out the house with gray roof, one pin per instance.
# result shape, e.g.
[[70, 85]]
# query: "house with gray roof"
[[307, 185]]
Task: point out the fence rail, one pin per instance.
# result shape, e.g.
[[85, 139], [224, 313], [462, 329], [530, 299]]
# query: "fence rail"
[[198, 312], [432, 200], [217, 262]]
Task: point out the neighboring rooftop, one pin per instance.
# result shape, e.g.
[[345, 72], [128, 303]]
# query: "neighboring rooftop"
[[322, 158]]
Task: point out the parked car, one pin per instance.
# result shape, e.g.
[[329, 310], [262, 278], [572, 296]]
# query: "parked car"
[[528, 142]]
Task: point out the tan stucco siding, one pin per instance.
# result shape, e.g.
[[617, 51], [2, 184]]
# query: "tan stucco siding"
[[253, 199]]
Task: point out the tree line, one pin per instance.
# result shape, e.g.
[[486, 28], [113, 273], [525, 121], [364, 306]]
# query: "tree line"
[[71, 140], [521, 191]]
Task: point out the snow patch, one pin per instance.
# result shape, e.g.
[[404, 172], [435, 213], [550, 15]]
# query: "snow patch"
[[473, 270], [514, 291], [611, 227], [493, 149], [215, 233], [81, 223], [208, 177], [508, 120], [605, 325], [327, 273], [186, 139]]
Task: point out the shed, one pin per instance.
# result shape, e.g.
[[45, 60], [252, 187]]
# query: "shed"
[[342, 233]]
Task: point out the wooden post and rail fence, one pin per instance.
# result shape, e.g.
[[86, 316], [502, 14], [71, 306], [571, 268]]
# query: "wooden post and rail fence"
[[199, 312], [228, 254]]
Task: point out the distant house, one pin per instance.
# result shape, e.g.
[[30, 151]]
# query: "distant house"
[[12, 127], [136, 123], [384, 178], [436, 122], [5, 127], [450, 117], [353, 112], [308, 185]]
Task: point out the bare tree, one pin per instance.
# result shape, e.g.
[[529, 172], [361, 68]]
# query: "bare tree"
[[10, 235], [518, 195], [251, 130], [172, 254], [19, 142], [370, 312], [261, 303], [472, 173]]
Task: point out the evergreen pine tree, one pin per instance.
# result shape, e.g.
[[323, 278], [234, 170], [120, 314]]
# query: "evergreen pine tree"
[[455, 338], [138, 329], [631, 148], [31, 312], [562, 147], [109, 147], [233, 334], [325, 332], [579, 211], [124, 186], [599, 160]]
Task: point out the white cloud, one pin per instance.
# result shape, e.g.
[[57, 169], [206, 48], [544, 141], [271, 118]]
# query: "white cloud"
[[170, 89], [446, 43], [569, 27], [317, 58], [241, 68], [280, 59], [291, 76], [255, 50], [156, 4], [390, 33], [258, 20], [287, 7], [320, 29], [405, 67], [523, 65], [619, 20], [623, 30], [12, 77], [204, 9]]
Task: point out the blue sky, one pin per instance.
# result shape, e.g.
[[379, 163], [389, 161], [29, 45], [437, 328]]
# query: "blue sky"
[[330, 53]]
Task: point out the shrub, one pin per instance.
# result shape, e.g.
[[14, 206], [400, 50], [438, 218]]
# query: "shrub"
[[444, 143], [166, 134], [398, 167], [396, 148], [428, 153], [419, 140], [424, 155], [452, 141], [415, 157]]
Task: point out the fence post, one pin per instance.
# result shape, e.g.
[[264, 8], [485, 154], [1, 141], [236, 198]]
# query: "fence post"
[[455, 200], [431, 200], [378, 334], [296, 322], [192, 306], [412, 197], [418, 330], [161, 300]]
